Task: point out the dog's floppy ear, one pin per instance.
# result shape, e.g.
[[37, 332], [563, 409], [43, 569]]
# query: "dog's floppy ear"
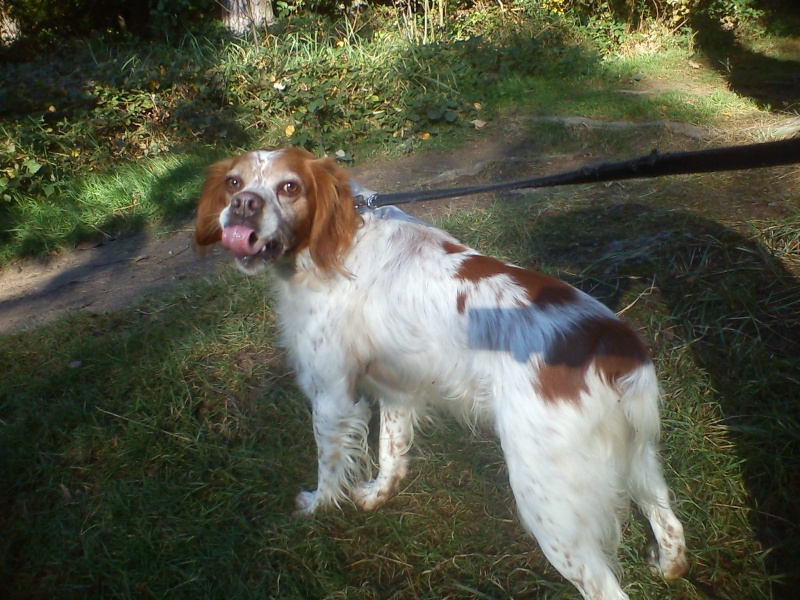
[[213, 200], [334, 218]]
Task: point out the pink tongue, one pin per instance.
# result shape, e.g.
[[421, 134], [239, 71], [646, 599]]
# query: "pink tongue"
[[240, 240]]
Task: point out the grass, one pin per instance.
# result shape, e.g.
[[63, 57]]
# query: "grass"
[[132, 197], [156, 451]]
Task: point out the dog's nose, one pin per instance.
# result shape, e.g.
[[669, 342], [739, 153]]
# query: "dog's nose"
[[247, 205]]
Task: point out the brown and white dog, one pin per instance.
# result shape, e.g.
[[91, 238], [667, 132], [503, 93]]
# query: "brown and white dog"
[[377, 304]]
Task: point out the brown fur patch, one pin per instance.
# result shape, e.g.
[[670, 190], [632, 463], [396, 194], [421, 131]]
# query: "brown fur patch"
[[452, 248], [461, 302], [613, 347], [540, 289], [333, 219], [213, 199]]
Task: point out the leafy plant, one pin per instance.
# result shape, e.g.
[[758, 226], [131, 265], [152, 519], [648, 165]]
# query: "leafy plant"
[[24, 175]]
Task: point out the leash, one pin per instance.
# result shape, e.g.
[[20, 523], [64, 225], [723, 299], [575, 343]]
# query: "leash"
[[732, 158]]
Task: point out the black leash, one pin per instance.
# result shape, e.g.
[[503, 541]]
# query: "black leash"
[[734, 158]]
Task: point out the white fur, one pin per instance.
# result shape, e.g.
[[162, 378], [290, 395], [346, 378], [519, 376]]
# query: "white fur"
[[391, 331]]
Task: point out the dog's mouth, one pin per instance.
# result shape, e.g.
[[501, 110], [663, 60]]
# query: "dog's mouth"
[[249, 248]]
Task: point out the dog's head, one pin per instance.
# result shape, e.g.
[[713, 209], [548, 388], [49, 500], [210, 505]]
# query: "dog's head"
[[268, 205]]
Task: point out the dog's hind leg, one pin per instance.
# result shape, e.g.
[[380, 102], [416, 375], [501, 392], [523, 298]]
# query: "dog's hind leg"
[[576, 527], [568, 479], [650, 492], [396, 435], [645, 477]]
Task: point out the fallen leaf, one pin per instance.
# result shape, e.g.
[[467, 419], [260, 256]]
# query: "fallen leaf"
[[478, 123], [289, 131]]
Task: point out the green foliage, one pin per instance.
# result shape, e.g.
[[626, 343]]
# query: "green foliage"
[[731, 14], [36, 15], [633, 13], [328, 86], [169, 16], [347, 86], [24, 175]]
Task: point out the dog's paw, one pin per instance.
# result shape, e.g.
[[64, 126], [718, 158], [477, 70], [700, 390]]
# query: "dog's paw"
[[671, 567], [369, 495], [306, 503], [675, 567], [650, 554]]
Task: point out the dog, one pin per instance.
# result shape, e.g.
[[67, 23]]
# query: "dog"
[[375, 304]]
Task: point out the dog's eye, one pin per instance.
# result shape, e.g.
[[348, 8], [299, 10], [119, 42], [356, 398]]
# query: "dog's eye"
[[290, 188], [234, 184]]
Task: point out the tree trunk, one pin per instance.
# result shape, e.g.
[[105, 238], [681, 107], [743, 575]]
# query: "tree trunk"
[[9, 28], [241, 16]]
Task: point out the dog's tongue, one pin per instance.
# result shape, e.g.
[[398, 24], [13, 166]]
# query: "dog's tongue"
[[240, 240]]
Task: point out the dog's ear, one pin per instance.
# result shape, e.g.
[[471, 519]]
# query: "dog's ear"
[[213, 200], [333, 214]]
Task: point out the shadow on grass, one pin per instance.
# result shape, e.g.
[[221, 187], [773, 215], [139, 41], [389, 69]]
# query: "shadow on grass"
[[737, 309], [118, 260], [115, 449], [774, 83]]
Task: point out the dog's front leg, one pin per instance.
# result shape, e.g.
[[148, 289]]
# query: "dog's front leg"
[[340, 430]]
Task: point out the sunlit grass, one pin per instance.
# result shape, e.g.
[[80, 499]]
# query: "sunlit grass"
[[104, 205]]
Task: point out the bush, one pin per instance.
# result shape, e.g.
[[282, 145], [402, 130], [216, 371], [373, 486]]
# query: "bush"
[[673, 13]]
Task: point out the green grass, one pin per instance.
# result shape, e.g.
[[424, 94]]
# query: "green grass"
[[139, 195]]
